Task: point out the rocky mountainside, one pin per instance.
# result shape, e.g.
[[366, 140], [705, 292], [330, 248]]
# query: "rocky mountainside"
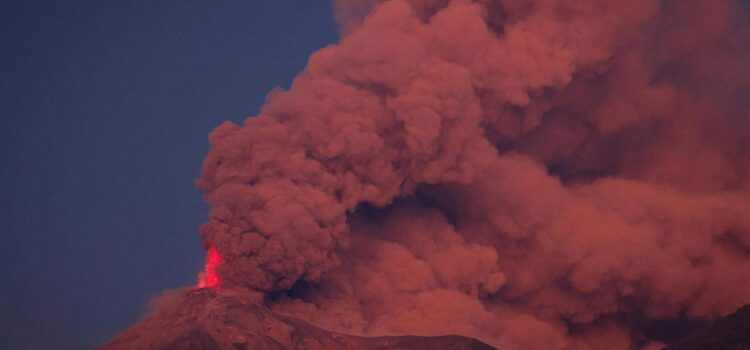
[[203, 320], [728, 333]]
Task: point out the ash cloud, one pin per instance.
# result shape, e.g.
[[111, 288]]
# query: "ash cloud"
[[537, 174]]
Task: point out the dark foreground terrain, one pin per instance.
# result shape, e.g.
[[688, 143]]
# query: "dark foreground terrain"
[[201, 320], [728, 333]]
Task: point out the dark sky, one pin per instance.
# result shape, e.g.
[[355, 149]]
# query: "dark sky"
[[105, 108]]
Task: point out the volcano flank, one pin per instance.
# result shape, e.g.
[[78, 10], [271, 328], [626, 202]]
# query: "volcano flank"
[[202, 320]]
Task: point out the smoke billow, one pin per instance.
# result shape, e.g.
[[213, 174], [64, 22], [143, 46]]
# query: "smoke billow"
[[538, 174]]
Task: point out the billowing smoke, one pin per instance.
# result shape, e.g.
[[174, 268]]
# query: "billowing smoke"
[[538, 174]]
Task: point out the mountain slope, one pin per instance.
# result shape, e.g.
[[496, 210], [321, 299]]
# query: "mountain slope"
[[202, 320], [728, 333]]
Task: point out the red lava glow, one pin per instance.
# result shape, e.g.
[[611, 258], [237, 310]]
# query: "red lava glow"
[[209, 278]]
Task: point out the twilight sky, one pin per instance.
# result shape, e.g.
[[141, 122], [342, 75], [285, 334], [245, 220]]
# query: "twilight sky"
[[105, 108]]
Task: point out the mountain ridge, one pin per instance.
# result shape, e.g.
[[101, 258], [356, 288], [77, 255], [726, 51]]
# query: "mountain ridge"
[[205, 320]]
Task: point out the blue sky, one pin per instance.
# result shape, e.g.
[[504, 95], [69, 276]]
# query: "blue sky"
[[105, 109]]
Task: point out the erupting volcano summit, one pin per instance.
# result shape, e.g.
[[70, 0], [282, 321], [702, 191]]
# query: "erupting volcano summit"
[[532, 174]]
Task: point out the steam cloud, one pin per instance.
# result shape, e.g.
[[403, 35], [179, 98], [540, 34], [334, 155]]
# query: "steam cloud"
[[538, 174]]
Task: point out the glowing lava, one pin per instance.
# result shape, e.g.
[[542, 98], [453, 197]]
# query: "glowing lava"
[[209, 278]]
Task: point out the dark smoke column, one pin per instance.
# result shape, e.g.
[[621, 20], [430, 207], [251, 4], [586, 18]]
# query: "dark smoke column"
[[538, 174]]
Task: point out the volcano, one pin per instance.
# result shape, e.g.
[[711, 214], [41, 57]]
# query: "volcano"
[[202, 319], [537, 174]]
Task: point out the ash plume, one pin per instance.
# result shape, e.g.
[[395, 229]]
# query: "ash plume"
[[536, 174]]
